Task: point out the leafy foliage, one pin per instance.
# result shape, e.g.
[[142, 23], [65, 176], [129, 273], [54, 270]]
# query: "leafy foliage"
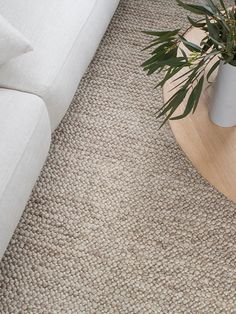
[[219, 24]]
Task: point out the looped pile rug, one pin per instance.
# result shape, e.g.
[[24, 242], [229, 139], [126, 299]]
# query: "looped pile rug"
[[119, 221]]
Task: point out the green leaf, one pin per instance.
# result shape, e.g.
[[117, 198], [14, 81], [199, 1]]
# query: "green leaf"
[[217, 42], [191, 46], [168, 41], [169, 74], [196, 23], [151, 60], [213, 30], [157, 42], [174, 61], [175, 101], [159, 55], [197, 9], [198, 91], [213, 6], [188, 108], [168, 116], [213, 68], [184, 74], [192, 100], [151, 45], [224, 7], [206, 45], [162, 50], [162, 33]]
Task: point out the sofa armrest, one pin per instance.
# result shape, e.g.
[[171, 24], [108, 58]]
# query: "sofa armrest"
[[24, 143]]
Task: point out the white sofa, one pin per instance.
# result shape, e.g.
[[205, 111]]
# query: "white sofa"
[[36, 89]]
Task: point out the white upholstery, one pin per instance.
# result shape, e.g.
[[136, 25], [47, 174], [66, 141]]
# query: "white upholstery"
[[12, 42], [24, 143], [65, 35], [37, 89]]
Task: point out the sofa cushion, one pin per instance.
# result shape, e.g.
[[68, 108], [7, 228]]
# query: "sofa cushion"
[[65, 35], [24, 143], [12, 42]]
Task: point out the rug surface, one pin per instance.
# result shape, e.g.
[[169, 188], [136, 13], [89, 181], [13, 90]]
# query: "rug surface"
[[119, 221]]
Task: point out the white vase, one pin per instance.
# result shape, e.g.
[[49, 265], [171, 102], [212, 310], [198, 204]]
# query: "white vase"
[[223, 107]]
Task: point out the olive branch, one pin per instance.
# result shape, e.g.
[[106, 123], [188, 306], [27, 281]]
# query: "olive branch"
[[219, 44]]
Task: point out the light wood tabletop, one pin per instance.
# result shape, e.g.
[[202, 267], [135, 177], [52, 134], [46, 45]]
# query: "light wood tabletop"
[[210, 148]]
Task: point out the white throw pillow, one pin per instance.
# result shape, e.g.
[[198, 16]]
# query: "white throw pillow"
[[12, 42]]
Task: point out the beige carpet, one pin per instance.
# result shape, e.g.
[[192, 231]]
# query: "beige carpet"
[[119, 221]]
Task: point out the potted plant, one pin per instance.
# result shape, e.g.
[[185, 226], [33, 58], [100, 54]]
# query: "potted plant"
[[217, 48]]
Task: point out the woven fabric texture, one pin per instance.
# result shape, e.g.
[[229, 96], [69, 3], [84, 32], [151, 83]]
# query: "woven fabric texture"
[[119, 220]]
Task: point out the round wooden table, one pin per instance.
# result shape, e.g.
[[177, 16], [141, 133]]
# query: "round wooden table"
[[210, 148]]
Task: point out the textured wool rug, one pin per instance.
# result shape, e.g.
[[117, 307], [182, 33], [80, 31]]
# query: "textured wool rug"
[[119, 221]]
